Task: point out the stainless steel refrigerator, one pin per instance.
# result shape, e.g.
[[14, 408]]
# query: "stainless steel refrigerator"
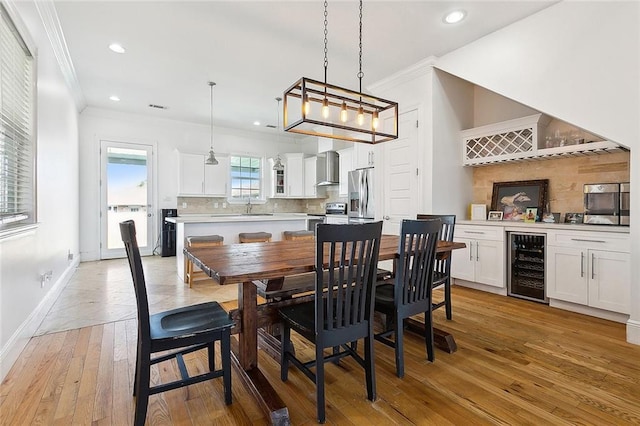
[[361, 199]]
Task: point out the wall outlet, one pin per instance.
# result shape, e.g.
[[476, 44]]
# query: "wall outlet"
[[275, 205], [215, 205], [69, 256], [184, 205], [224, 205], [307, 205], [45, 277]]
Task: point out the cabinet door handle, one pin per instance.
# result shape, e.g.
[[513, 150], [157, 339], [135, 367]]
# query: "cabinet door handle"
[[587, 241], [477, 252], [470, 252], [593, 267], [581, 264]]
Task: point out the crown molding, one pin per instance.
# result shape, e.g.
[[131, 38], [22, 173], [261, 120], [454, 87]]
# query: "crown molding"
[[51, 23], [416, 70]]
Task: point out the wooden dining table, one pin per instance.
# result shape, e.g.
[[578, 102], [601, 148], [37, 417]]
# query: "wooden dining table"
[[250, 263]]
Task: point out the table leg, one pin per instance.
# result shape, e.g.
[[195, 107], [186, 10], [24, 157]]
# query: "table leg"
[[247, 359]]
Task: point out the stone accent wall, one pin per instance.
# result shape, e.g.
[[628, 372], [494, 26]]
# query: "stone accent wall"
[[566, 177]]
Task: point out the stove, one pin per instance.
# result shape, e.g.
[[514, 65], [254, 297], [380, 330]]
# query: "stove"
[[336, 208]]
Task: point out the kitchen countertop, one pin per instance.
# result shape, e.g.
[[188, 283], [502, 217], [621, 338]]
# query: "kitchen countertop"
[[541, 226], [217, 218]]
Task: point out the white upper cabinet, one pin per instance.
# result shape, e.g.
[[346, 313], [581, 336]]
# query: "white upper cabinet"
[[310, 177], [198, 179], [345, 157], [363, 155], [294, 171]]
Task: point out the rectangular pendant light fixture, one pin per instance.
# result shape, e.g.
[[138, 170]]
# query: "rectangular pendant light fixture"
[[320, 109]]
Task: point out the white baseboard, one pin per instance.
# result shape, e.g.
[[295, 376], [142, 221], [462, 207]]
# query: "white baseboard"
[[15, 345], [587, 310], [502, 291], [633, 332]]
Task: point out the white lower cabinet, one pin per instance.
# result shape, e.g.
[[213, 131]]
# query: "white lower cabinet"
[[591, 269], [482, 260]]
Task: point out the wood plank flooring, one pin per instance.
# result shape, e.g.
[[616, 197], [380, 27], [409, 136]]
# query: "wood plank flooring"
[[518, 362]]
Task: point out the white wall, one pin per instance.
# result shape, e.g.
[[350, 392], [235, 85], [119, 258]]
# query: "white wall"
[[578, 62], [169, 136], [23, 302]]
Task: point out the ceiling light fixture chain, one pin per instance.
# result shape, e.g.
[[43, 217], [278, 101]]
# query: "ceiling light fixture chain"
[[326, 32], [360, 73], [277, 165]]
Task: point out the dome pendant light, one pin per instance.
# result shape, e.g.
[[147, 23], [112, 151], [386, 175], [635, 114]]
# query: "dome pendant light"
[[211, 159]]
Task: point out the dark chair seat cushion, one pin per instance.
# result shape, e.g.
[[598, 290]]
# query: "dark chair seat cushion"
[[190, 320]]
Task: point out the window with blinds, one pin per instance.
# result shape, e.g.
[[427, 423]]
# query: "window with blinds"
[[17, 129]]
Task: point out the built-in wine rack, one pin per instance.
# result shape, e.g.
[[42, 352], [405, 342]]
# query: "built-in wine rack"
[[527, 266]]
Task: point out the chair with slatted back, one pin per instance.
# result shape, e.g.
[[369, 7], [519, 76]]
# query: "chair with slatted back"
[[342, 312], [442, 269], [181, 331], [409, 292]]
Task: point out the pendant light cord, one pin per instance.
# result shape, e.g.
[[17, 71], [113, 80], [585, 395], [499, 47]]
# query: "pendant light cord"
[[211, 84]]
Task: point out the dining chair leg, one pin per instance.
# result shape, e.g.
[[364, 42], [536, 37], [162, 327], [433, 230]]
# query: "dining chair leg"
[[225, 349], [211, 352], [447, 297], [284, 347], [399, 346], [428, 335], [142, 392], [370, 371], [320, 384]]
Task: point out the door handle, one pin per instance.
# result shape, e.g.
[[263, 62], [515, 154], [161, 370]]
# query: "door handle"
[[581, 264], [593, 267], [386, 217]]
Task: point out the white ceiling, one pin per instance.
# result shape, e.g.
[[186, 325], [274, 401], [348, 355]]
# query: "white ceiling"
[[255, 50]]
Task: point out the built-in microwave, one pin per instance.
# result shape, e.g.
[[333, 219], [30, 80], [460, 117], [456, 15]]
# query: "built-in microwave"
[[602, 203], [625, 206]]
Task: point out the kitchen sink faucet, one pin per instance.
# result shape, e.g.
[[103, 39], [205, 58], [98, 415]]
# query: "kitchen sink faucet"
[[249, 206]]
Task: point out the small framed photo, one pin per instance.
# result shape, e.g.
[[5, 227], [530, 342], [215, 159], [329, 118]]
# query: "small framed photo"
[[573, 217], [551, 218], [478, 212], [495, 215], [531, 214]]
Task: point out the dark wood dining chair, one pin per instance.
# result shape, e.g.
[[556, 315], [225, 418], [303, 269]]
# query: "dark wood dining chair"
[[342, 312], [182, 331], [442, 268], [409, 292]]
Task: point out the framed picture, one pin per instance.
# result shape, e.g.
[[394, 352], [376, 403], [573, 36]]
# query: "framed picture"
[[531, 214], [478, 212], [513, 198], [551, 218], [495, 215], [573, 217]]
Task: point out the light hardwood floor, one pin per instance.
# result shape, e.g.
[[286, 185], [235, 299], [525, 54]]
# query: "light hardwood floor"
[[518, 362]]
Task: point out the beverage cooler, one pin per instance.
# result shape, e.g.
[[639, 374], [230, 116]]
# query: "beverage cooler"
[[526, 274]]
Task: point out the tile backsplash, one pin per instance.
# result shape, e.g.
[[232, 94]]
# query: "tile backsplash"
[[566, 177], [214, 205]]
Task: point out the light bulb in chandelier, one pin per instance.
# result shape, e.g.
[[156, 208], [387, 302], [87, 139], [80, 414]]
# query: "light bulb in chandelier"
[[325, 108], [306, 106], [344, 116], [374, 120], [360, 116]]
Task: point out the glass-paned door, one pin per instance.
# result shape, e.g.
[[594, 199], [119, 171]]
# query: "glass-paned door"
[[126, 185]]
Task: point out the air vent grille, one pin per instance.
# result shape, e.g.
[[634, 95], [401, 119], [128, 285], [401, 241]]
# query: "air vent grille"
[[158, 106]]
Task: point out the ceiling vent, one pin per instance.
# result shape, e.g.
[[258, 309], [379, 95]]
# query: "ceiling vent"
[[271, 126], [158, 106]]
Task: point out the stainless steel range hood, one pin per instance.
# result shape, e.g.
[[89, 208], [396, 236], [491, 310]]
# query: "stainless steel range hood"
[[329, 172]]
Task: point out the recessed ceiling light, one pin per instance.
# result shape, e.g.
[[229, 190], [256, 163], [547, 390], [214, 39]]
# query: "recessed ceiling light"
[[116, 48], [256, 123], [455, 16], [114, 98]]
